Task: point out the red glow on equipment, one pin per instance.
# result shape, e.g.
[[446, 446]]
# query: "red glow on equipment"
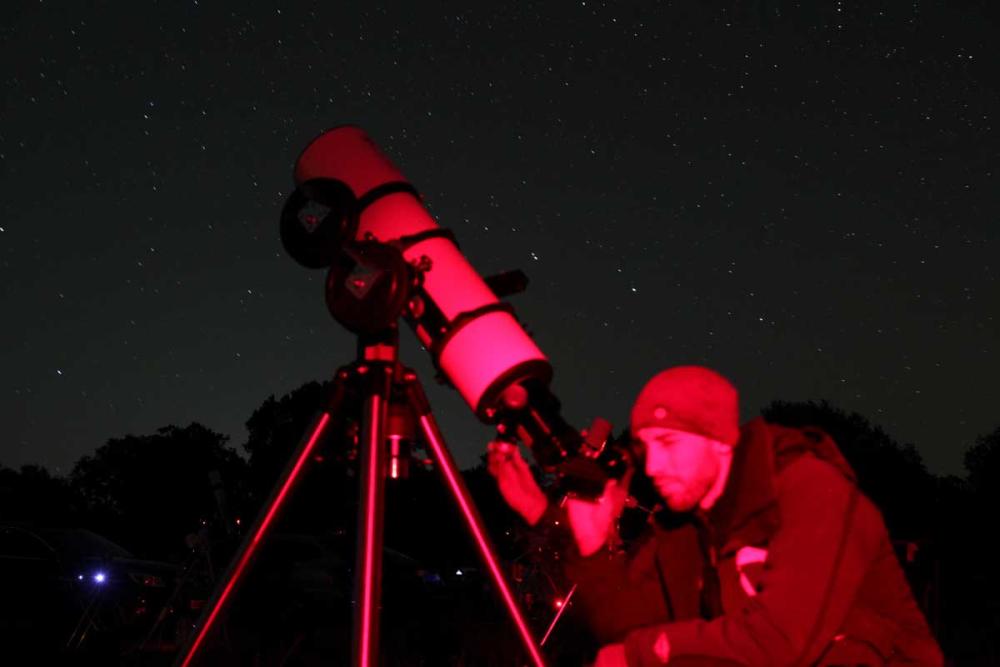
[[472, 519], [395, 451], [372, 542], [262, 527], [561, 604]]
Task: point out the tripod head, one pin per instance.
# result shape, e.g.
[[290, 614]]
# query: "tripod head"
[[354, 212]]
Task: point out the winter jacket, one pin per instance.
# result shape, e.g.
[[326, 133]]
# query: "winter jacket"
[[792, 566]]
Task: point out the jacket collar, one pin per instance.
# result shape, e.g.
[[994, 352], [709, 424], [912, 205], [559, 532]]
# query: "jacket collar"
[[747, 511]]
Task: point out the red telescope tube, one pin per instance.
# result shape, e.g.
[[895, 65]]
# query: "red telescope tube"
[[477, 343]]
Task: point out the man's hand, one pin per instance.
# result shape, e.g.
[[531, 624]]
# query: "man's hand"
[[593, 521], [612, 655], [517, 485]]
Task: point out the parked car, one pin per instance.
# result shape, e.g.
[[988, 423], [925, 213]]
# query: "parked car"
[[71, 591]]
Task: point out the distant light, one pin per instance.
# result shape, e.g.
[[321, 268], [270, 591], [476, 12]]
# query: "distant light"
[[79, 577], [100, 577], [558, 603], [458, 572]]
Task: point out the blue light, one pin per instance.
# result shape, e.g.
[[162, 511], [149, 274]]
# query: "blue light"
[[100, 577]]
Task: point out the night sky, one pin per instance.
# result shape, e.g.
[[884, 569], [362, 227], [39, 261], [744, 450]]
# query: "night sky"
[[805, 199]]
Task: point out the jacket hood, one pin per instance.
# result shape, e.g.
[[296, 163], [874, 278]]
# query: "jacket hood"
[[747, 512]]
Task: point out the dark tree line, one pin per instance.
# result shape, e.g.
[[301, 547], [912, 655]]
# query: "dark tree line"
[[155, 493]]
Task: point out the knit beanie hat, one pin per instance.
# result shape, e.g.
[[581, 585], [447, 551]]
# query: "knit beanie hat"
[[689, 398]]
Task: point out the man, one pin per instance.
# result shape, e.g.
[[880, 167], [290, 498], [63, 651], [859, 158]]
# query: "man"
[[768, 553]]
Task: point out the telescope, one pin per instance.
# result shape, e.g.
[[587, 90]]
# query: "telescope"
[[355, 213]]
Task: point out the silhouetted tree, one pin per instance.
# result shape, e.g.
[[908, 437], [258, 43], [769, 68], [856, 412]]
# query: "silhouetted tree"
[[323, 498], [966, 604], [277, 426], [148, 492], [982, 464], [33, 495]]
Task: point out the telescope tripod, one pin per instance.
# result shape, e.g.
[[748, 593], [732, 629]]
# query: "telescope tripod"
[[384, 386]]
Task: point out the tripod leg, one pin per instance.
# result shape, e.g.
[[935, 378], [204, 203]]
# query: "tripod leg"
[[263, 521], [453, 479], [368, 561]]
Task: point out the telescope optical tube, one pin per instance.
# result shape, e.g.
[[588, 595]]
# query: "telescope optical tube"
[[476, 341]]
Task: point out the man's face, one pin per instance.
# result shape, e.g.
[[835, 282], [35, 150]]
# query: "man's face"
[[683, 466]]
